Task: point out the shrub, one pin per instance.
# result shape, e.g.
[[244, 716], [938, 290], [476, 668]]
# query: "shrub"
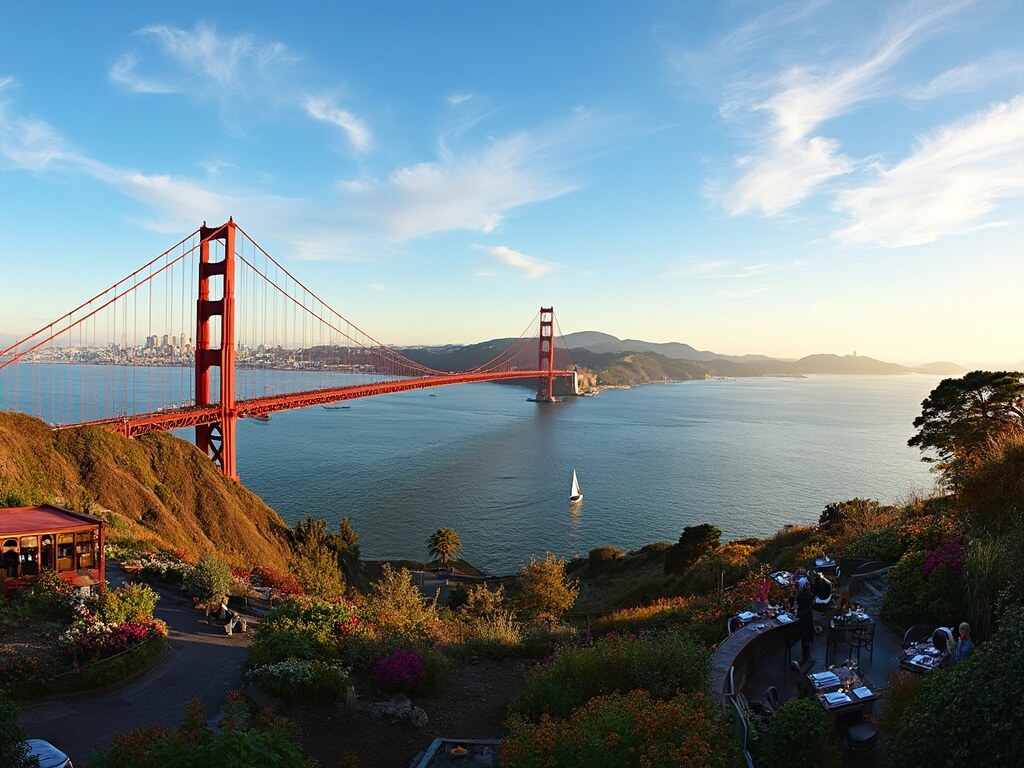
[[600, 557], [796, 736], [497, 635], [733, 560], [281, 585], [482, 602], [398, 605], [303, 679], [302, 628], [880, 544], [661, 664], [49, 595], [12, 738], [899, 698], [621, 731], [970, 714], [545, 593], [240, 740], [131, 602], [209, 581], [912, 597], [401, 671], [695, 541]]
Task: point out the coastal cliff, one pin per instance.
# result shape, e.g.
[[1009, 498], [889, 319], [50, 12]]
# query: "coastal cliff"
[[158, 488]]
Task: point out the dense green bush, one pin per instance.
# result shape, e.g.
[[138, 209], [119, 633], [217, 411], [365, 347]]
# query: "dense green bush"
[[879, 544], [731, 562], [797, 736], [209, 581], [544, 591], [12, 738], [601, 557], [970, 714], [302, 679], [131, 602], [913, 598], [240, 740], [661, 664], [623, 731], [300, 628], [695, 541]]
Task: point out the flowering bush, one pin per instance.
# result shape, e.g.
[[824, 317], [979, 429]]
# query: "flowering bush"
[[621, 731], [302, 679], [301, 628], [950, 555], [281, 585], [16, 667], [89, 639], [401, 671]]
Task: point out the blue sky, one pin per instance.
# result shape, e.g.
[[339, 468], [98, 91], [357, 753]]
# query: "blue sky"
[[776, 178]]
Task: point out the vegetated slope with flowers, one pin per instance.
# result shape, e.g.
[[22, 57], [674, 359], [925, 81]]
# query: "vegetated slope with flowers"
[[158, 489]]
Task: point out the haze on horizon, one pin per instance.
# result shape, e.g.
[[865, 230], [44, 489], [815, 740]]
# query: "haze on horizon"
[[747, 178]]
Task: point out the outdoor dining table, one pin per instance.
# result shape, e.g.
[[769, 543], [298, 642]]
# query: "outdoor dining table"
[[922, 657], [842, 688], [842, 626]]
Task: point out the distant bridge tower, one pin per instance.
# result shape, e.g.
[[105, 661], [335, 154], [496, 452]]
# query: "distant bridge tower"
[[217, 440], [546, 355]]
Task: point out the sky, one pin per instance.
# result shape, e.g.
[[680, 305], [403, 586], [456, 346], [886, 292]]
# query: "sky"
[[746, 177]]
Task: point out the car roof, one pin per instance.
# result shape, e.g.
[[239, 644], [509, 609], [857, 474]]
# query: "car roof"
[[49, 756]]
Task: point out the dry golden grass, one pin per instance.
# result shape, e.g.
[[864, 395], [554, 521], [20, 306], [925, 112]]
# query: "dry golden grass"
[[158, 488]]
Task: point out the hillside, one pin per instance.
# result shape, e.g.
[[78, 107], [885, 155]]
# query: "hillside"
[[157, 487]]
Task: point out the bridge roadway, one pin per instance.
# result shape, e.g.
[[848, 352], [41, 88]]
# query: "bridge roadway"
[[196, 415]]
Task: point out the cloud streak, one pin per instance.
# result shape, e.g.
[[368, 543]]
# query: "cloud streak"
[[355, 130], [531, 267], [950, 185], [790, 160]]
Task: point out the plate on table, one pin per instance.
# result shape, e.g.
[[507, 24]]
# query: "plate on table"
[[746, 616], [837, 697]]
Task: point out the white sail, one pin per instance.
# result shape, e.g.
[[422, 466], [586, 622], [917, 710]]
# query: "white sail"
[[575, 494]]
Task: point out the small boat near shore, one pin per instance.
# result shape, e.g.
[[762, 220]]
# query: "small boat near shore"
[[335, 407], [261, 417]]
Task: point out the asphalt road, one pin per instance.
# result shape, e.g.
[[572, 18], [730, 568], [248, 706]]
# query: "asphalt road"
[[201, 663]]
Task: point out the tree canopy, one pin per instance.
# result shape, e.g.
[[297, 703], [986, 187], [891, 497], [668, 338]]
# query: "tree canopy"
[[695, 541], [545, 593], [315, 564], [961, 415], [444, 544]]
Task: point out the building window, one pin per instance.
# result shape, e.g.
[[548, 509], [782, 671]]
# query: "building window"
[[65, 552], [46, 551], [10, 558], [29, 555], [86, 549]]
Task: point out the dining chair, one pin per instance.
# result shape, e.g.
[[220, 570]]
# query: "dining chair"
[[914, 634], [863, 638], [772, 697], [732, 624]]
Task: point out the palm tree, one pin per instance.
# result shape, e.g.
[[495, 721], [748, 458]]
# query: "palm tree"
[[444, 544]]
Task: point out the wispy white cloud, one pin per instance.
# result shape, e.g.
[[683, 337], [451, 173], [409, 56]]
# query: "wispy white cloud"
[[321, 108], [970, 77], [458, 98], [715, 270], [469, 189], [789, 160], [950, 185], [7, 82], [530, 266], [123, 72]]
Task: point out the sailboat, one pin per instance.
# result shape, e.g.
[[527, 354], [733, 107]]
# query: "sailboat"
[[575, 494]]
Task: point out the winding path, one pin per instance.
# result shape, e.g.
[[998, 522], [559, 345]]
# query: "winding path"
[[201, 663]]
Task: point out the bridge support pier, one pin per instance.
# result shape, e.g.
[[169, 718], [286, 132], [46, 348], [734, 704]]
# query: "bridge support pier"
[[215, 345], [546, 356]]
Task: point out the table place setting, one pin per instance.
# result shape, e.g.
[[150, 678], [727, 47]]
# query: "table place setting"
[[837, 697], [825, 679], [862, 692], [746, 616], [784, 618]]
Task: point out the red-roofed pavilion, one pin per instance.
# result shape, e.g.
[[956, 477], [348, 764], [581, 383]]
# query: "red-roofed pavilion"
[[33, 539]]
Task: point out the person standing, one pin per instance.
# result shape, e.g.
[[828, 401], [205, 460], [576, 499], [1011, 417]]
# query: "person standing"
[[965, 644], [805, 618]]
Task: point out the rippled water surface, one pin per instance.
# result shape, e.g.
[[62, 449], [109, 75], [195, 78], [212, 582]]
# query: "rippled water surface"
[[747, 455]]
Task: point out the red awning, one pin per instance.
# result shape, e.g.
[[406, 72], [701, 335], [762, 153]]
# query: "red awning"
[[18, 520]]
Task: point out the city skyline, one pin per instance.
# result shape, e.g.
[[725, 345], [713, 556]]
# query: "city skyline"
[[782, 179]]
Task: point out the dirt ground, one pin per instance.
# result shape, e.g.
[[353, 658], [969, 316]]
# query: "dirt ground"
[[473, 705]]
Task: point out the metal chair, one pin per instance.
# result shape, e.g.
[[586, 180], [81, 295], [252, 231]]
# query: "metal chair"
[[860, 736], [732, 624], [863, 638], [914, 635], [772, 697]]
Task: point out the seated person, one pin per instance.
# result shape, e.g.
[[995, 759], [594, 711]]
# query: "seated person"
[[966, 645], [821, 588]]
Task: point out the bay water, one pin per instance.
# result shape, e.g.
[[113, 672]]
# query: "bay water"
[[748, 455]]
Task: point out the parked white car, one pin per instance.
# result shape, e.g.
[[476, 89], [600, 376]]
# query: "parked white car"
[[49, 756]]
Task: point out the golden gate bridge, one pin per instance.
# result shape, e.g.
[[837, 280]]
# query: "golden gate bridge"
[[248, 313]]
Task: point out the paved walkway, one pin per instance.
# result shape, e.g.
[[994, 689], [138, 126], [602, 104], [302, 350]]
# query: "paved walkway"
[[201, 663]]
